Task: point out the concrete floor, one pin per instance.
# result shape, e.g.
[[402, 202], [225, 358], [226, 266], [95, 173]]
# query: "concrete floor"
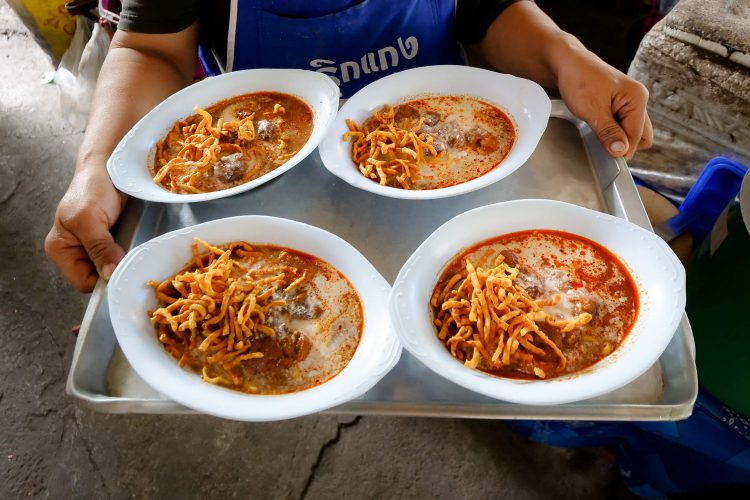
[[51, 447]]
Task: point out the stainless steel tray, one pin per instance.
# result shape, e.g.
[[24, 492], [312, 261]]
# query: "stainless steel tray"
[[568, 165]]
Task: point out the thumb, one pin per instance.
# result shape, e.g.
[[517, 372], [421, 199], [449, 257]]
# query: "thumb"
[[101, 247], [611, 135]]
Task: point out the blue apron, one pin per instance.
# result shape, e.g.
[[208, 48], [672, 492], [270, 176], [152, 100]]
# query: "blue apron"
[[355, 42]]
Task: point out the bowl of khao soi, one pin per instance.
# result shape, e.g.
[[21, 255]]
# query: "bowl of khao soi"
[[264, 318], [435, 131], [539, 301], [232, 142], [224, 135]]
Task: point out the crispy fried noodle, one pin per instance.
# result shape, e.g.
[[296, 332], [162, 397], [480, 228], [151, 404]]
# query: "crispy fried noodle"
[[487, 320], [215, 309], [202, 147], [385, 152]]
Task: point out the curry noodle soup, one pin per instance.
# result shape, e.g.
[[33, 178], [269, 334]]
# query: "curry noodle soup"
[[232, 142], [431, 143], [534, 304], [259, 318]]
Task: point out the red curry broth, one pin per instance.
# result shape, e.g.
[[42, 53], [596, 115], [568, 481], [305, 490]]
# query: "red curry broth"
[[315, 333], [282, 122], [588, 277], [473, 135]]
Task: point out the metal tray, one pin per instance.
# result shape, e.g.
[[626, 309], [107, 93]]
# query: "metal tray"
[[568, 165]]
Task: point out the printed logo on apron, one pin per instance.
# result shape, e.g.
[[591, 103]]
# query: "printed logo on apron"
[[354, 42], [368, 64]]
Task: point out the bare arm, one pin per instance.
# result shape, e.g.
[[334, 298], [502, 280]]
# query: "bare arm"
[[524, 41], [139, 72]]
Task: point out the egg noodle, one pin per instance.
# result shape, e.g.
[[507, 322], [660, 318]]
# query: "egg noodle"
[[201, 149], [213, 310], [484, 316], [386, 153]]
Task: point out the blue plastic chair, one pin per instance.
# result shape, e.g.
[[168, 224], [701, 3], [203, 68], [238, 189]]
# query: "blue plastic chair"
[[716, 186]]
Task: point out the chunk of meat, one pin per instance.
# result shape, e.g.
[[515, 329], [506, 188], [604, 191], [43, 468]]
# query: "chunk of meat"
[[431, 118], [230, 168], [455, 138], [299, 308], [438, 144], [510, 257], [267, 130], [481, 140], [282, 350], [404, 113], [229, 137], [295, 346], [474, 135], [530, 280], [444, 135], [303, 309], [588, 304]]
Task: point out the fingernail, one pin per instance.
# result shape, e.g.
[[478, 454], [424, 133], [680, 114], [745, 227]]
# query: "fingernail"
[[107, 271], [618, 147]]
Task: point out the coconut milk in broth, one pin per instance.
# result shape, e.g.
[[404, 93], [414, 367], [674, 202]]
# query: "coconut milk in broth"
[[328, 320], [585, 276], [475, 135]]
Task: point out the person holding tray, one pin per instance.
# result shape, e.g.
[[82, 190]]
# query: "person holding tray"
[[153, 55]]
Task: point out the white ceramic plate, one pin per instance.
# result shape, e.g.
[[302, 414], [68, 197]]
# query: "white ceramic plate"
[[658, 274], [523, 100], [130, 298], [128, 168]]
